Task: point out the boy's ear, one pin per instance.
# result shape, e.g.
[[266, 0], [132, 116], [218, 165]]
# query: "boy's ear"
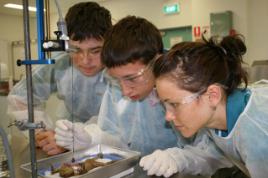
[[214, 93]]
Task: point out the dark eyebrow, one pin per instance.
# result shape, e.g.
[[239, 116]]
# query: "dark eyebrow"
[[128, 76], [97, 47]]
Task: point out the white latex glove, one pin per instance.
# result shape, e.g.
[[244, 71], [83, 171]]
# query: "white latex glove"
[[66, 131], [159, 163]]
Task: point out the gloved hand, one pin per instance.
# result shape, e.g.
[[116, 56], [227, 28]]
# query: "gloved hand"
[[159, 163], [68, 134]]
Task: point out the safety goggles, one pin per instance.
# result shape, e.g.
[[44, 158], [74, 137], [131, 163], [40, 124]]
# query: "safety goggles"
[[174, 107], [141, 77]]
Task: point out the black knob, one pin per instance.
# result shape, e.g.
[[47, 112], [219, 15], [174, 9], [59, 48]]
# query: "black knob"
[[19, 62]]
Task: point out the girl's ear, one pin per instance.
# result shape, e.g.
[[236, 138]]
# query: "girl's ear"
[[214, 93]]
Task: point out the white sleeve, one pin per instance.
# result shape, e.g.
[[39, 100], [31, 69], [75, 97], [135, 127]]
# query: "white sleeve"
[[16, 103], [18, 110], [202, 157], [99, 136], [38, 117]]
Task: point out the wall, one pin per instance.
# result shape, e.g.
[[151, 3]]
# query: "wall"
[[149, 9], [13, 27], [12, 30], [249, 19], [4, 51], [202, 9], [239, 9], [257, 30], [193, 13]]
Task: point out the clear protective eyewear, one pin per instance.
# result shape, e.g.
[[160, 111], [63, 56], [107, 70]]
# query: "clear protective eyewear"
[[135, 79], [174, 107]]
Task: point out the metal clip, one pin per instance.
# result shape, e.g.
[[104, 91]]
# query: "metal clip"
[[25, 125]]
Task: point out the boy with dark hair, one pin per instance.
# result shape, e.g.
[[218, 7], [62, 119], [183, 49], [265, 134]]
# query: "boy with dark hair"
[[76, 77], [131, 115]]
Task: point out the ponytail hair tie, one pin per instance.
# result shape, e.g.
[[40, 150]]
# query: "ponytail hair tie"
[[212, 43]]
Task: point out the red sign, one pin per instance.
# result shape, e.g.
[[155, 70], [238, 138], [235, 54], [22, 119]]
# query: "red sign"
[[232, 32], [197, 31]]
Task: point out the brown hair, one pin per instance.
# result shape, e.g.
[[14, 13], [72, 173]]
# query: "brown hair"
[[196, 65], [87, 20], [131, 39]]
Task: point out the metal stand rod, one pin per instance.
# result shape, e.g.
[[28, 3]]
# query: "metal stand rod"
[[29, 86]]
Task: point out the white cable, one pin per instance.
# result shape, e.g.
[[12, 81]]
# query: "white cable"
[[61, 23]]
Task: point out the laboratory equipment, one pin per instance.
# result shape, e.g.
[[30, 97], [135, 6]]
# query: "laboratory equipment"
[[123, 160], [28, 62]]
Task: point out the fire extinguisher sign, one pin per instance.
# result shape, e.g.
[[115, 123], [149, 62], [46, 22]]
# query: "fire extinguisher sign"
[[197, 31]]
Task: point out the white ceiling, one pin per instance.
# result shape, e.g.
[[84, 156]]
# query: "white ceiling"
[[64, 4]]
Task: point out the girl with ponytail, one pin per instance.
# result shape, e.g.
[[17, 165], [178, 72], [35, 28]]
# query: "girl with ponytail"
[[205, 92]]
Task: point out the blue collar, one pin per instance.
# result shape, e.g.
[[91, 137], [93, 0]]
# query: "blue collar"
[[236, 103]]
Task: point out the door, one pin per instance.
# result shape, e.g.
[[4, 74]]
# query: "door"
[[175, 35]]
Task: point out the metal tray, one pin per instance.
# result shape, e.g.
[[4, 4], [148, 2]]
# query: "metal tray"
[[125, 159]]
